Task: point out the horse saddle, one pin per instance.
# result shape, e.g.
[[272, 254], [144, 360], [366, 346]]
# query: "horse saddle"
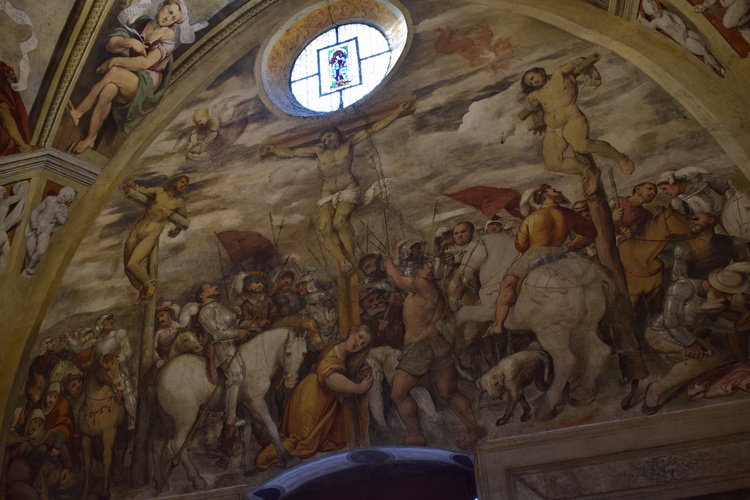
[[547, 259], [211, 372], [541, 261]]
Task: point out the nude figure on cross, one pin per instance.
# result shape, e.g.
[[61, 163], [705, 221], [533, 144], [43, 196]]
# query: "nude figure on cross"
[[552, 105]]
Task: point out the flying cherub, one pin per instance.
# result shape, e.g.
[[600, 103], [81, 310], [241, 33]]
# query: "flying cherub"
[[475, 44]]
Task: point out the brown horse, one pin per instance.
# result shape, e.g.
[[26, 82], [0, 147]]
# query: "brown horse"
[[640, 253], [100, 415], [304, 322]]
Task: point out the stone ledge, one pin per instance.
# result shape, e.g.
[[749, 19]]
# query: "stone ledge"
[[675, 454], [51, 160]]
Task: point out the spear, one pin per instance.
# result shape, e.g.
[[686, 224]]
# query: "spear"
[[322, 264], [431, 241], [383, 202], [221, 265], [613, 183], [178, 456], [379, 244]]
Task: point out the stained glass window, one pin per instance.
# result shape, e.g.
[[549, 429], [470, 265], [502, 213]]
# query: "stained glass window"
[[340, 67]]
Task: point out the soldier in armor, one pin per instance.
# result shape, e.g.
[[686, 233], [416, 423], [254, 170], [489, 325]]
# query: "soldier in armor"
[[218, 324], [116, 342], [705, 251], [411, 256], [694, 190], [681, 333], [288, 302]]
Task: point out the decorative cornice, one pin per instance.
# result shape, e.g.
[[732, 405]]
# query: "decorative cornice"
[[50, 160], [74, 62], [220, 36], [78, 51]]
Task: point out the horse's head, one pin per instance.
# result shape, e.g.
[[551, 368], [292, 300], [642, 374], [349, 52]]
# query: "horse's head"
[[185, 342], [109, 372], [456, 290], [295, 349]]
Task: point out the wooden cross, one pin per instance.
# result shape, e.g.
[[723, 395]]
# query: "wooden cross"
[[139, 466], [355, 408]]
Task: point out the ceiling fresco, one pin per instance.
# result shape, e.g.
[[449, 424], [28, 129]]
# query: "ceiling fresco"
[[29, 37], [267, 228]]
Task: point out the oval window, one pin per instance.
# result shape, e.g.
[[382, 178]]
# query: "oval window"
[[340, 67]]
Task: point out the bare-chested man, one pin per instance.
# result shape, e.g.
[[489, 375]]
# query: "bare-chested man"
[[163, 202], [426, 350], [552, 100], [340, 191]]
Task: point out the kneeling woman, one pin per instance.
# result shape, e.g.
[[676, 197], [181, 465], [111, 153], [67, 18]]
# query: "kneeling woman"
[[314, 417]]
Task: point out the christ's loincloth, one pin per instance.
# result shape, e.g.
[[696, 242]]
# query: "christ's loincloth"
[[345, 196]]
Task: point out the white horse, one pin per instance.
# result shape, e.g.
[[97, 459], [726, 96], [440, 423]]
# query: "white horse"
[[384, 360], [183, 387], [562, 302], [489, 260]]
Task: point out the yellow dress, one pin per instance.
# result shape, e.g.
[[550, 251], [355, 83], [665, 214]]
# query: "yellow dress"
[[313, 418]]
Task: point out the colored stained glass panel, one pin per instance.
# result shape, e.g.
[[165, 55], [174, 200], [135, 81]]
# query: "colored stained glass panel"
[[339, 67]]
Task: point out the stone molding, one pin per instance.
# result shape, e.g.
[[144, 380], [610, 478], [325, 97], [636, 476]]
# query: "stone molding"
[[677, 454], [50, 160]]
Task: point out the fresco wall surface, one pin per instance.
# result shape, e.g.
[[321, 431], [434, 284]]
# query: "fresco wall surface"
[[262, 253]]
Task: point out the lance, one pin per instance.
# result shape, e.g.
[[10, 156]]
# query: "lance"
[[178, 456], [379, 244], [613, 183], [431, 241], [383, 202], [273, 230], [321, 264], [221, 265]]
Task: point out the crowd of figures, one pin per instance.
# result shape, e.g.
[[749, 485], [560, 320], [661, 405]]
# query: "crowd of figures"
[[520, 300], [436, 307]]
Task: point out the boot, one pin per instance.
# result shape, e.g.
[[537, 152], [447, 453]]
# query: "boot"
[[226, 446], [232, 394], [130, 405]]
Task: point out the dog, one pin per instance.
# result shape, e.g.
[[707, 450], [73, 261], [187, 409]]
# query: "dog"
[[512, 374]]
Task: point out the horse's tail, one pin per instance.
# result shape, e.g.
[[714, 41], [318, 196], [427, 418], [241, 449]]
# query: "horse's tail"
[[608, 287], [166, 422]]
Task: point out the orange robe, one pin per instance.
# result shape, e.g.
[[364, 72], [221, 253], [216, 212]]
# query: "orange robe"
[[59, 418], [314, 417]]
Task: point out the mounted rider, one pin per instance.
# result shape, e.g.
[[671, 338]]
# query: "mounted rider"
[[116, 342], [542, 233], [218, 322], [218, 325]]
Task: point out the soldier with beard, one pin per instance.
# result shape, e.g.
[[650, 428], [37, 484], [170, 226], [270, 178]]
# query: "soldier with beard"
[[288, 302], [373, 274], [385, 319], [688, 334], [255, 310], [543, 232]]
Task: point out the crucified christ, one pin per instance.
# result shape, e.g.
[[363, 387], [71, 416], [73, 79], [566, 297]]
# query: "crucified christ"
[[552, 105], [340, 191]]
